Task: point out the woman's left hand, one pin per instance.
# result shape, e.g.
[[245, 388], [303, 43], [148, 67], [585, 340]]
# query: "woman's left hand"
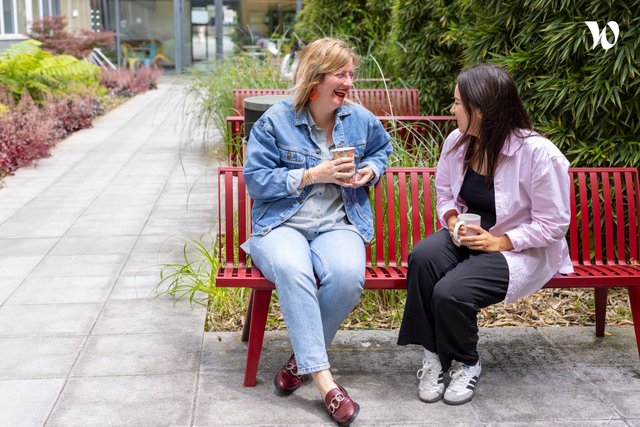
[[362, 177], [486, 241]]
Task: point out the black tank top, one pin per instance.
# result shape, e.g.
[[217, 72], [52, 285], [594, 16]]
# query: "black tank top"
[[479, 198]]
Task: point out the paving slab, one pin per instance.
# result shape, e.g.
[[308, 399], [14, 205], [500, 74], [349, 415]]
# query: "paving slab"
[[62, 290], [148, 316], [139, 354], [104, 245], [143, 400], [136, 286], [38, 357], [7, 287], [48, 319], [28, 402], [79, 265]]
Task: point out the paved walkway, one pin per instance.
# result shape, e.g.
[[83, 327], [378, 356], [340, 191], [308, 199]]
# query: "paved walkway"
[[84, 341]]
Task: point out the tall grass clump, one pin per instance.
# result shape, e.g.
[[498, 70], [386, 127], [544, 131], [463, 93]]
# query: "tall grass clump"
[[211, 90], [193, 279]]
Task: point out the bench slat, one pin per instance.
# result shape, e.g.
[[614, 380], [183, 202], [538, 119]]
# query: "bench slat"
[[584, 208], [608, 209], [633, 203], [595, 202]]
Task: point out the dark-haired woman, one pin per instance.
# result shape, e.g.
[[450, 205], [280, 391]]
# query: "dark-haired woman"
[[494, 165]]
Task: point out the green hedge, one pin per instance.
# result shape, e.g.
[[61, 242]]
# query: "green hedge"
[[364, 24], [424, 48], [586, 100]]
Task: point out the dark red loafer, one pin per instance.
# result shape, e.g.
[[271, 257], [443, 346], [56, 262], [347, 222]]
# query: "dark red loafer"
[[342, 409], [288, 379]]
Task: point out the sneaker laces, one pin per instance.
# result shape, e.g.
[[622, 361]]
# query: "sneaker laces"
[[428, 374], [460, 378]]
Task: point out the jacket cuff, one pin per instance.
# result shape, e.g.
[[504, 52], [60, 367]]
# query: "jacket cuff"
[[294, 178]]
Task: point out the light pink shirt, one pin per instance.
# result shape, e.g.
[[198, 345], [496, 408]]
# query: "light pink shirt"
[[531, 188]]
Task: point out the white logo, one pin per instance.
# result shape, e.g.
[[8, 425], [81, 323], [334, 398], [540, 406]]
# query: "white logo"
[[601, 37]]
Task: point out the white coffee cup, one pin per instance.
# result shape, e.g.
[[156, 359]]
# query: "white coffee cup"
[[465, 219]]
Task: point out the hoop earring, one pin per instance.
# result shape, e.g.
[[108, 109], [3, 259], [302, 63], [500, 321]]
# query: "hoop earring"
[[313, 95]]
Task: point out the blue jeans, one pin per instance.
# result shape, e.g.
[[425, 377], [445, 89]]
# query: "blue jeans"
[[313, 315]]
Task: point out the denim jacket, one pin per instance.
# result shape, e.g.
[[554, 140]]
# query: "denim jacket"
[[281, 141]]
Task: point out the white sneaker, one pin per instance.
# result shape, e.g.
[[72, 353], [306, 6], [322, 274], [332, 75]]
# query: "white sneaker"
[[463, 383], [431, 376]]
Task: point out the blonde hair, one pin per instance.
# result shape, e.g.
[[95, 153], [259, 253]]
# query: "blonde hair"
[[323, 56]]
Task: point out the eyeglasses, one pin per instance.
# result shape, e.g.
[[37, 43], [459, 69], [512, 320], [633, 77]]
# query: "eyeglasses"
[[342, 75]]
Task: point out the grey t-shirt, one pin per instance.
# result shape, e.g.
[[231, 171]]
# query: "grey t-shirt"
[[323, 210]]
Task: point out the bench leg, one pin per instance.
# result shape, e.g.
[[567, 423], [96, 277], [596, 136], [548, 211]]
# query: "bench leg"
[[601, 310], [247, 318], [259, 312], [634, 300]]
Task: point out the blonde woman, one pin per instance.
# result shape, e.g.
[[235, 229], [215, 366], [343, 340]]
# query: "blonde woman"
[[311, 216]]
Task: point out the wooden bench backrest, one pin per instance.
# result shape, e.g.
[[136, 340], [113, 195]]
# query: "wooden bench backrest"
[[381, 102], [605, 213], [605, 216]]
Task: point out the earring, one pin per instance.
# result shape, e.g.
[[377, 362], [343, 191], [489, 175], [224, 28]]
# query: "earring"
[[313, 95]]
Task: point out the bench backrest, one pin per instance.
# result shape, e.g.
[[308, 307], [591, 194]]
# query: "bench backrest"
[[605, 215], [414, 131], [381, 102]]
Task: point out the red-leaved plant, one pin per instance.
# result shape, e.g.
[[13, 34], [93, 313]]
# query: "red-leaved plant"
[[51, 32], [124, 82], [26, 134], [72, 114]]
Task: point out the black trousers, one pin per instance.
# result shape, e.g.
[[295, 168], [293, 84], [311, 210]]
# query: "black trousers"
[[446, 288]]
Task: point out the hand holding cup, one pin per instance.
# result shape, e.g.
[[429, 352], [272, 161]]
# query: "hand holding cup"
[[345, 152], [464, 220]]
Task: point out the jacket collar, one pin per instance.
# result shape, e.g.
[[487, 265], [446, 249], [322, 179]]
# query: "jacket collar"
[[302, 116], [511, 146]]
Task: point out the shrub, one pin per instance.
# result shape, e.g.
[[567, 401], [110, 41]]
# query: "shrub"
[[26, 67], [26, 134], [71, 114], [51, 32], [124, 82], [362, 23], [425, 50]]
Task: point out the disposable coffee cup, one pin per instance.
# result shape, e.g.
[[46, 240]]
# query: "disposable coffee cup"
[[465, 219], [350, 152], [336, 153]]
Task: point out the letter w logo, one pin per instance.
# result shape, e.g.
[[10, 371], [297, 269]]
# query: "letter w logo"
[[601, 37]]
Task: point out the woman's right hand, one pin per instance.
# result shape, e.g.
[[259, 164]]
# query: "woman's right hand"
[[336, 171], [452, 219]]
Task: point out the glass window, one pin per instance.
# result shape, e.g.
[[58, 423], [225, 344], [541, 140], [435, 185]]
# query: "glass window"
[[22, 16], [7, 16]]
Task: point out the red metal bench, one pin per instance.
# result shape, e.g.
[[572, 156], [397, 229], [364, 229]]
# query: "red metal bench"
[[603, 239]]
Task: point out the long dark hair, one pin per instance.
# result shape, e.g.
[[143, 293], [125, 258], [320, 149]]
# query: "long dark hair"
[[491, 90]]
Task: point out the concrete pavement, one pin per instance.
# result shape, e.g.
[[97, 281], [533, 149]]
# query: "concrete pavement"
[[85, 342]]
